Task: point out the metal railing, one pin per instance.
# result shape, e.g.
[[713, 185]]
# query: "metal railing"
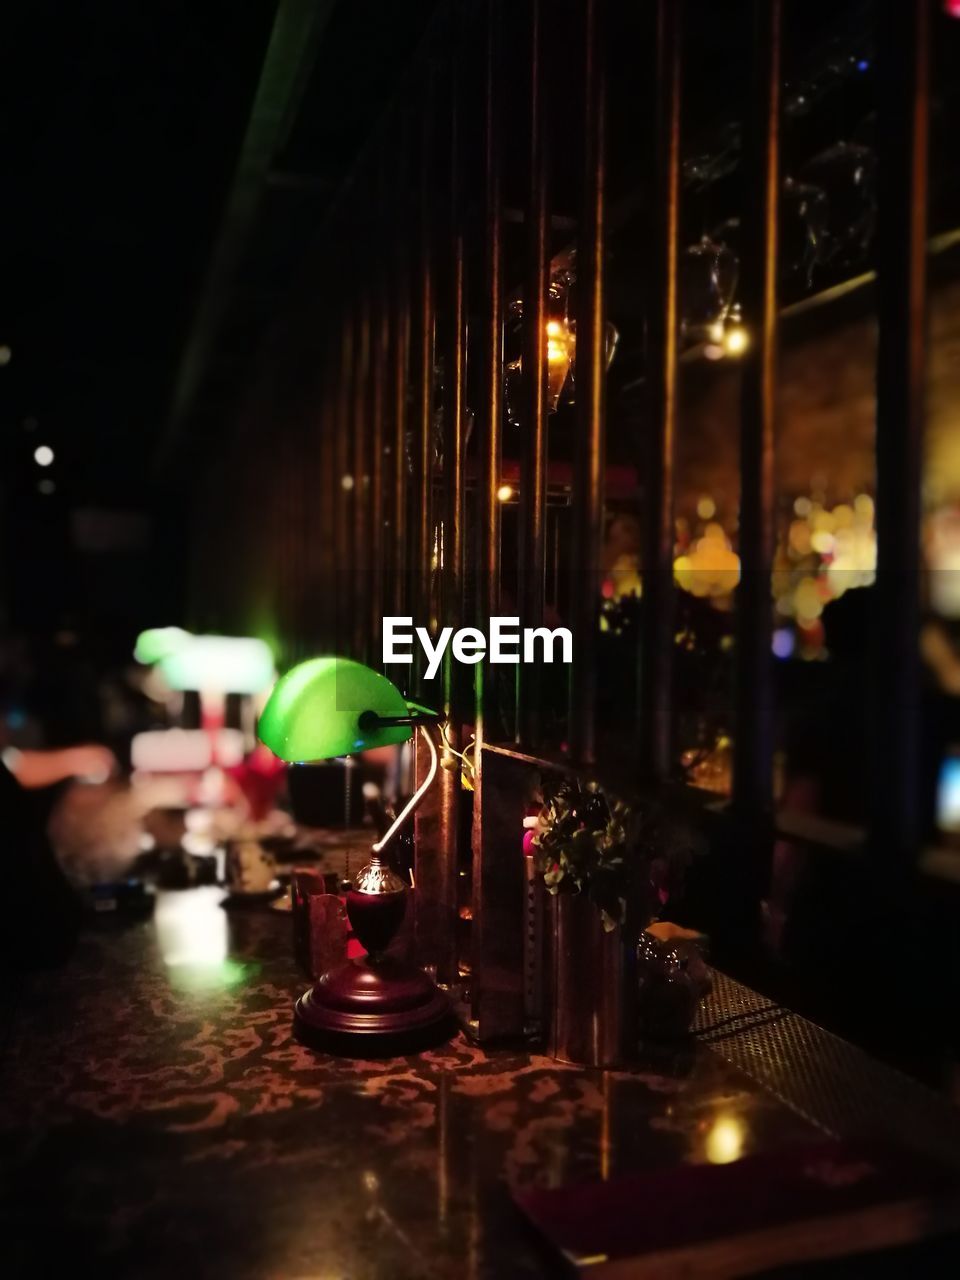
[[424, 208]]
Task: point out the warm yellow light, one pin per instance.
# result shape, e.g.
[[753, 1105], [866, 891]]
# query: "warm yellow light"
[[725, 1140], [504, 493], [346, 482], [715, 332], [558, 342], [808, 600], [706, 508], [736, 340], [560, 348], [712, 568]]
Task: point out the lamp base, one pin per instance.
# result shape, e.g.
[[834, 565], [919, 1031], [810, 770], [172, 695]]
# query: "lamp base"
[[373, 1006]]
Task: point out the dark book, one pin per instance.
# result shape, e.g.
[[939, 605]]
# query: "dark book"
[[797, 1204]]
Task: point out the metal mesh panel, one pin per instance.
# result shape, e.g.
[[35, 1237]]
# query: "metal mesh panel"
[[831, 1083]]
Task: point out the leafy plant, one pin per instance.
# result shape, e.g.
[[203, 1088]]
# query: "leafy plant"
[[627, 857]]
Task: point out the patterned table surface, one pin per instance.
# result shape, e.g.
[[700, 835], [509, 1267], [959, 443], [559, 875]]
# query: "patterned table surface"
[[157, 1119]]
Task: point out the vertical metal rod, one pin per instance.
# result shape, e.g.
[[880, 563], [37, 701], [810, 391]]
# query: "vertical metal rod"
[[297, 493], [455, 355], [423, 378], [398, 598], [323, 587], [281, 507], [451, 596], [491, 415], [296, 504], [344, 522], [753, 739], [590, 460], [903, 68], [361, 481], [656, 657], [488, 727], [379, 355], [533, 463], [332, 492]]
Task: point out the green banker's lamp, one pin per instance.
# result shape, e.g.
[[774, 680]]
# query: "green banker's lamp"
[[330, 707]]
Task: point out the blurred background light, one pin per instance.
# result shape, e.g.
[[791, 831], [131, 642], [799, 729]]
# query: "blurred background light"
[[736, 340], [725, 1140], [948, 795]]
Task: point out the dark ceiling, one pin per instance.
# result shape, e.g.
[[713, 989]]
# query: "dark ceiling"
[[121, 127], [164, 160], [167, 162]]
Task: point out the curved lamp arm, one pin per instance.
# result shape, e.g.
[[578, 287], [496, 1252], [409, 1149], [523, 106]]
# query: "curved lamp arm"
[[417, 796]]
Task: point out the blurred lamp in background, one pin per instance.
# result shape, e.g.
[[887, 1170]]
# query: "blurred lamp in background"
[[214, 664], [185, 750]]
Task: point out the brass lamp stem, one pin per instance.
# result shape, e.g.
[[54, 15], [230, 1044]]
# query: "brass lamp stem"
[[414, 800]]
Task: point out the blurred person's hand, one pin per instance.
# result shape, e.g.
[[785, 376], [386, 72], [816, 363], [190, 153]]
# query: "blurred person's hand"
[[92, 762], [89, 762]]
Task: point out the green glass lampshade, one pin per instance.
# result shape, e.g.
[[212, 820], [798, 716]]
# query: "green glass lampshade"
[[315, 711]]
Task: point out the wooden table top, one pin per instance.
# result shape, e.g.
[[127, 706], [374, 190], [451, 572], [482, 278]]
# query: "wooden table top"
[[157, 1119]]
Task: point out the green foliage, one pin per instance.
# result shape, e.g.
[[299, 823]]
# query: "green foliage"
[[628, 858]]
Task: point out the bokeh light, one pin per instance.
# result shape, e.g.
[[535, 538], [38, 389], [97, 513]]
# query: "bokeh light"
[[711, 567], [736, 340], [725, 1139]]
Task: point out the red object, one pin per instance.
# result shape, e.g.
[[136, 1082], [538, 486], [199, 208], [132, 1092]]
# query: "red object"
[[951, 8], [377, 1003], [260, 778], [369, 1001], [791, 1205]]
